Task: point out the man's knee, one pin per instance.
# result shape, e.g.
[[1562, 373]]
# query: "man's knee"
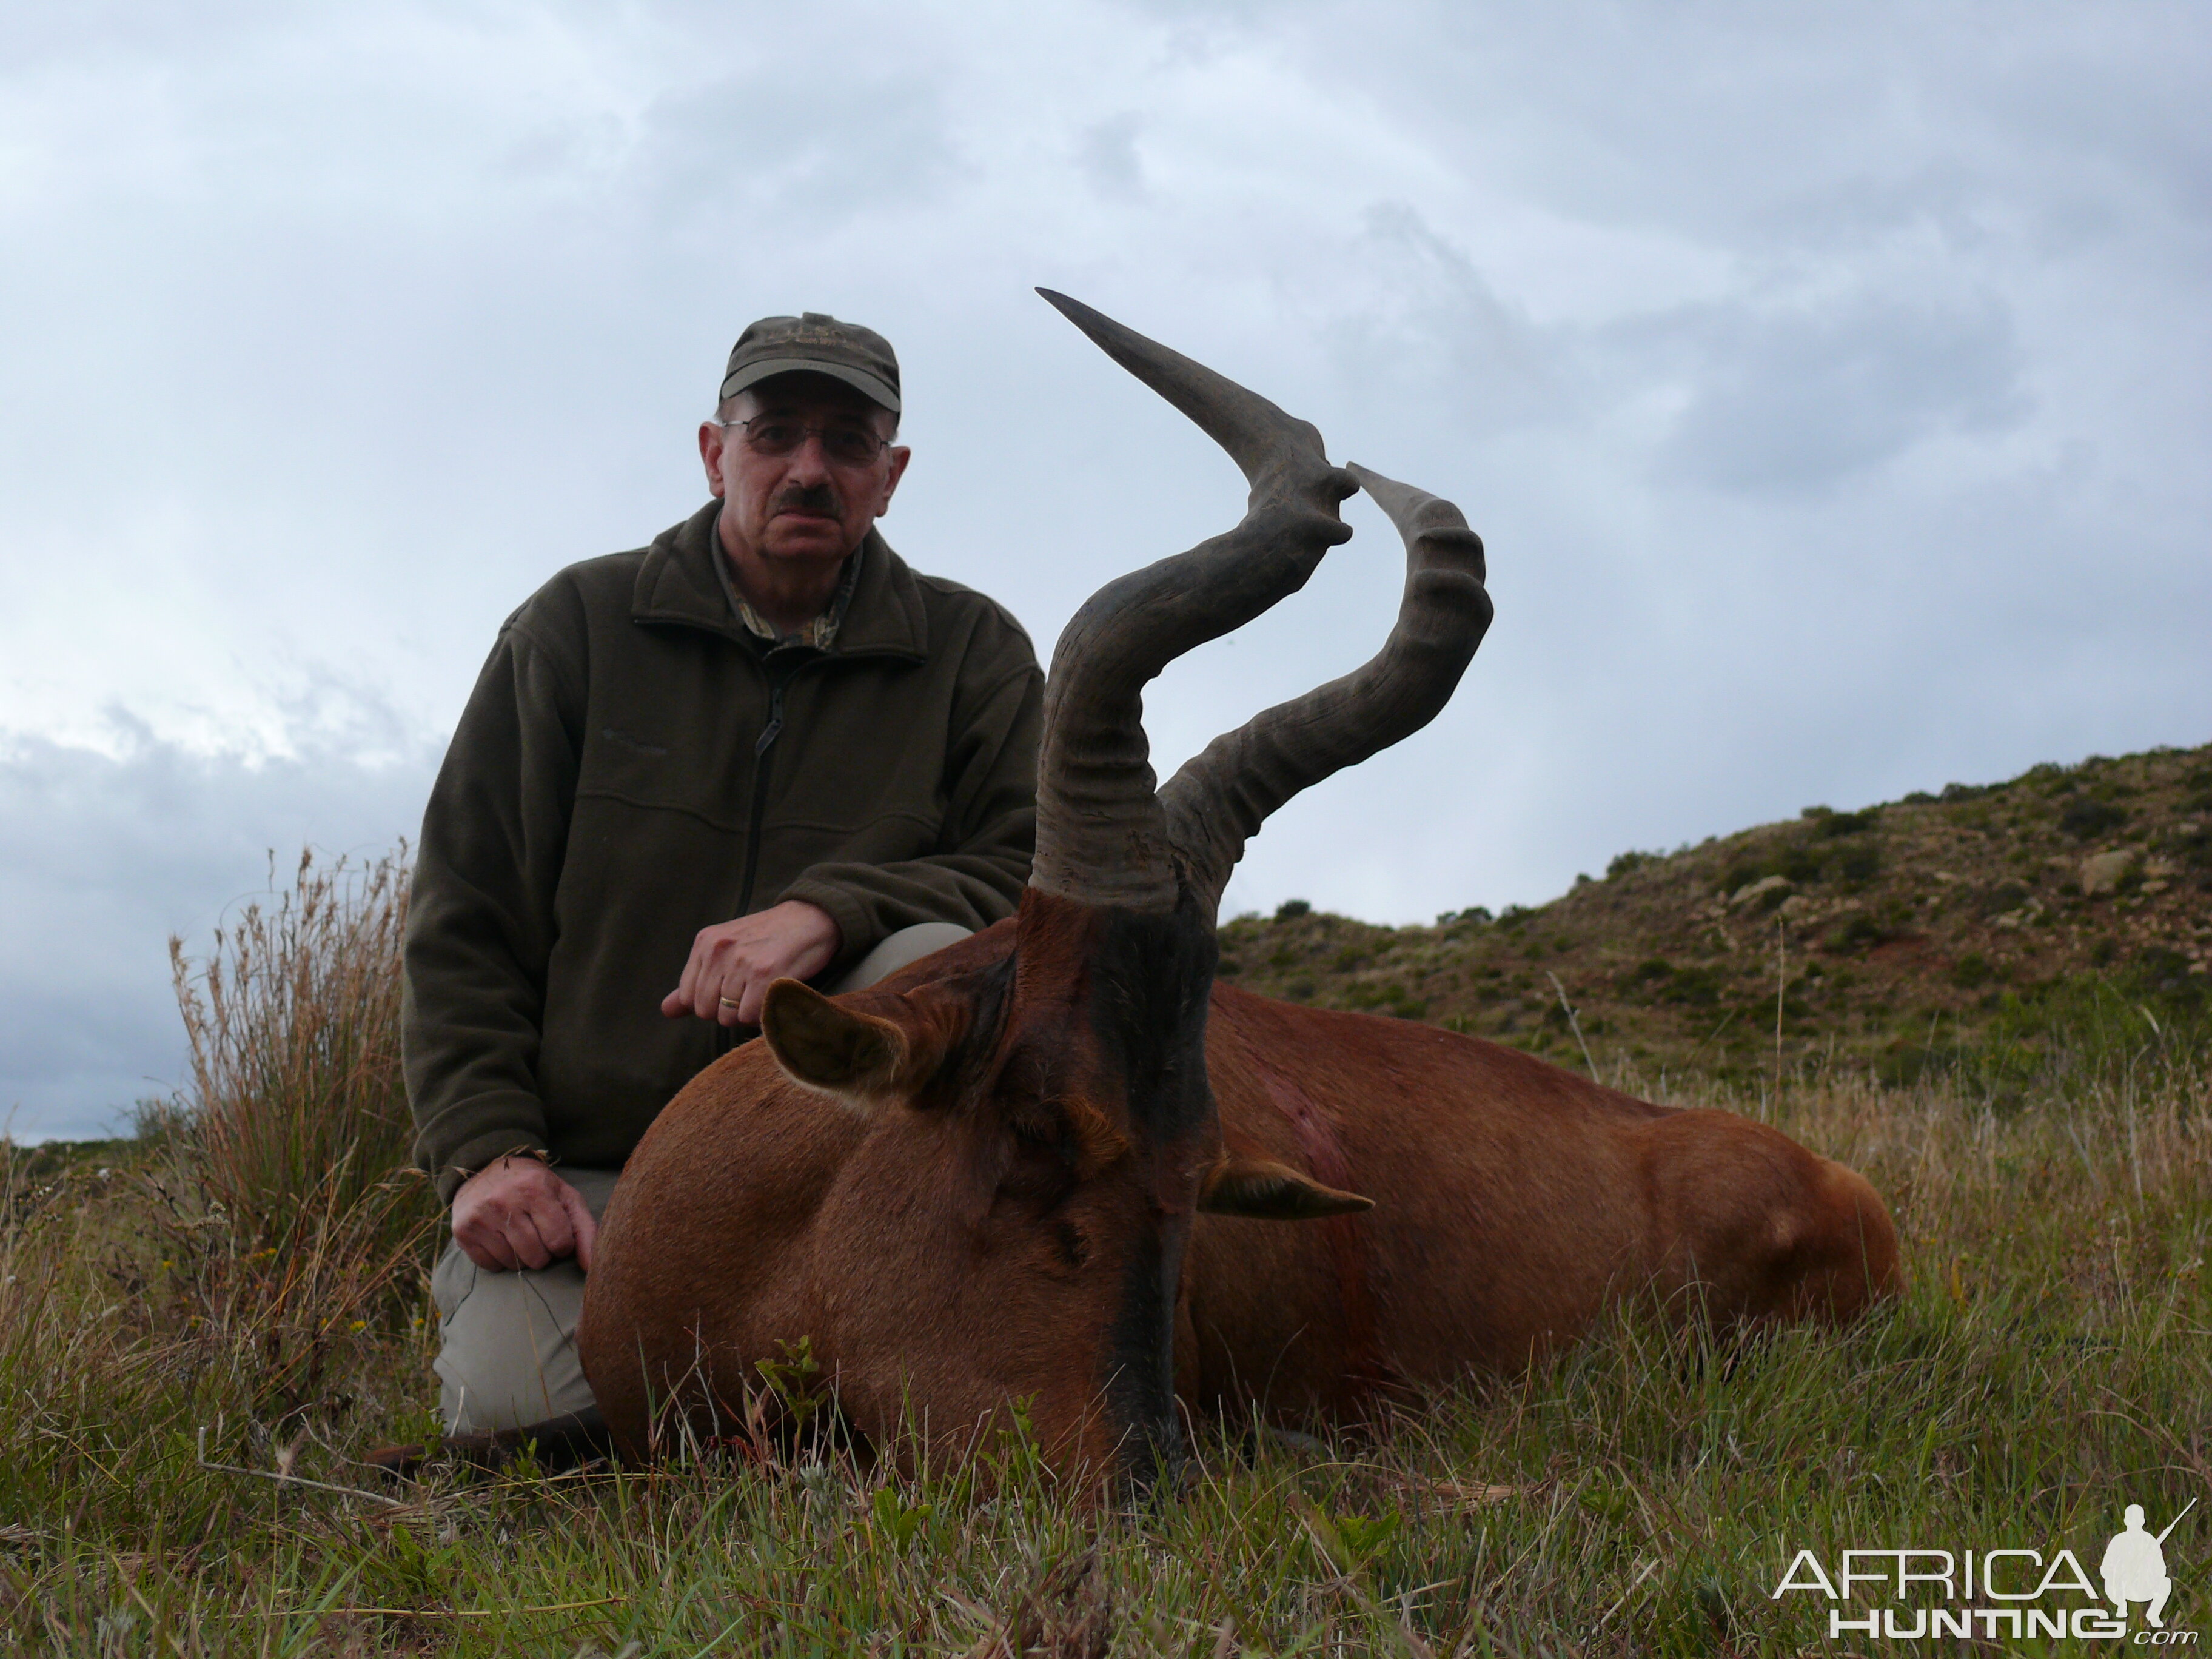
[[507, 1354], [906, 946]]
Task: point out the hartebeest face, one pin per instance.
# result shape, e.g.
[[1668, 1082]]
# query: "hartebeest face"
[[1041, 1135]]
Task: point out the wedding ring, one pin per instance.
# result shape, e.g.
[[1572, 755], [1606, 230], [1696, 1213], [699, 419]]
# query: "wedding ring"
[[727, 1002]]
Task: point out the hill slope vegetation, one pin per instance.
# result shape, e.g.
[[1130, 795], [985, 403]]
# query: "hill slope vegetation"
[[1986, 930]]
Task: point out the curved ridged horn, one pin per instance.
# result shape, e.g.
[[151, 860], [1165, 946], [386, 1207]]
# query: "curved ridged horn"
[[1219, 798], [1103, 837]]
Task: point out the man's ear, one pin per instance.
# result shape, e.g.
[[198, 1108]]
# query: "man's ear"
[[1263, 1189], [860, 1059]]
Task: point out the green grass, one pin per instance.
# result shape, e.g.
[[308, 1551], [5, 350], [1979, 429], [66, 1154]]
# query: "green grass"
[[1640, 1493]]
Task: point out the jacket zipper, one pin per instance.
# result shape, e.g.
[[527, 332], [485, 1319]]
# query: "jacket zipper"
[[763, 763]]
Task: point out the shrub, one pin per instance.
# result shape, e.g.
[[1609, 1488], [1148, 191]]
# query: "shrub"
[[1692, 988], [2163, 968], [1859, 933], [1791, 859], [1856, 865], [1291, 909], [2085, 816], [1390, 998], [1624, 863], [1475, 914], [2191, 847]]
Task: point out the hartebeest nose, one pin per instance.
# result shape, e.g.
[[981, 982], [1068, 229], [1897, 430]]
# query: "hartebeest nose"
[[1155, 1462]]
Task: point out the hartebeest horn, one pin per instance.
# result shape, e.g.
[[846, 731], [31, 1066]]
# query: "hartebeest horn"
[[1103, 837], [1219, 798]]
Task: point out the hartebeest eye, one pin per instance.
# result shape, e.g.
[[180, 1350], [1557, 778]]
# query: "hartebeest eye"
[[1065, 1136]]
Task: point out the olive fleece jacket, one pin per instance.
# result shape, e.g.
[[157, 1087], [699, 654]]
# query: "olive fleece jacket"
[[634, 766]]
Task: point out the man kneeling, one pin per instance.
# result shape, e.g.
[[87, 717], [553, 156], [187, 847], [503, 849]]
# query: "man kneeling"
[[765, 715]]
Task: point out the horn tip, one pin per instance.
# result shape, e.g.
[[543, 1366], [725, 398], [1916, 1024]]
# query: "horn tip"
[[1062, 303], [1388, 493]]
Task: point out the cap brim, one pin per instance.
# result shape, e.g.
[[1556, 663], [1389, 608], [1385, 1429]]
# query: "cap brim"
[[872, 387]]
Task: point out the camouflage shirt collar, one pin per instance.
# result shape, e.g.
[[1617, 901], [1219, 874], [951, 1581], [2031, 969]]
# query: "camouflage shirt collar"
[[820, 632]]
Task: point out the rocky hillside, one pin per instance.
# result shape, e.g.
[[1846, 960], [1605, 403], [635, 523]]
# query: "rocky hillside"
[[2068, 910]]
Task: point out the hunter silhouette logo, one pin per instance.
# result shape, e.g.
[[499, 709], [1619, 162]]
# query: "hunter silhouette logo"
[[2134, 1568], [2007, 1593]]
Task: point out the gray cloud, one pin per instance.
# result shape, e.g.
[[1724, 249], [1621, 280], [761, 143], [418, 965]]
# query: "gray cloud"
[[1435, 334], [756, 151], [1106, 155], [103, 857], [1800, 397], [1826, 386]]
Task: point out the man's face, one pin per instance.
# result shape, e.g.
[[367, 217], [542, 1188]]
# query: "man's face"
[[806, 504]]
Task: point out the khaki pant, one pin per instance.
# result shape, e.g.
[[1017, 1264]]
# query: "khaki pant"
[[506, 1353]]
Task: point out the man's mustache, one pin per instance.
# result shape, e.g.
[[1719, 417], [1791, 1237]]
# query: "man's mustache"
[[817, 498]]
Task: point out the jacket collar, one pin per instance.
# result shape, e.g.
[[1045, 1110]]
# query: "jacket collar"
[[676, 583]]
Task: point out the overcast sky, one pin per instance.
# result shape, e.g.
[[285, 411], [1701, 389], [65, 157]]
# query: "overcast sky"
[[1829, 384]]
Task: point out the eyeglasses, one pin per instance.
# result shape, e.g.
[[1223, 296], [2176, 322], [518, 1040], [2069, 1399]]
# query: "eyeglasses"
[[775, 437]]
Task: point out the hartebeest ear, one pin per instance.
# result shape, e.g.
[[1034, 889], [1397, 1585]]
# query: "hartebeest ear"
[[855, 1056], [1264, 1190]]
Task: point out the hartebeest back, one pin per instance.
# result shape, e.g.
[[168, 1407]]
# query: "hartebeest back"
[[1053, 1162]]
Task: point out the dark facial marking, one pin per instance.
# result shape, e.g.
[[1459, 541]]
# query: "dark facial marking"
[[1141, 1382], [1151, 979]]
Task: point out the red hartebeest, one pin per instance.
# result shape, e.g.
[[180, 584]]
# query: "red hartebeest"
[[1054, 1162]]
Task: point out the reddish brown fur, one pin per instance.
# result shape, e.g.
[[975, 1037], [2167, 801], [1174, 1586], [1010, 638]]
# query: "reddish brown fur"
[[1514, 1201], [925, 1249]]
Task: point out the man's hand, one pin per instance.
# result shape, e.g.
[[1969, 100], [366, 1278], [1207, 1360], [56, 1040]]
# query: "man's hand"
[[518, 1213], [732, 965]]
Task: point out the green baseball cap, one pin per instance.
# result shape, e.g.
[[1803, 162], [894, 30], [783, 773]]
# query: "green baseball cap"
[[815, 344]]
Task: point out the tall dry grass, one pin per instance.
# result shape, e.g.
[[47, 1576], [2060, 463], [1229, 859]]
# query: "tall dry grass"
[[284, 1211], [296, 1113]]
